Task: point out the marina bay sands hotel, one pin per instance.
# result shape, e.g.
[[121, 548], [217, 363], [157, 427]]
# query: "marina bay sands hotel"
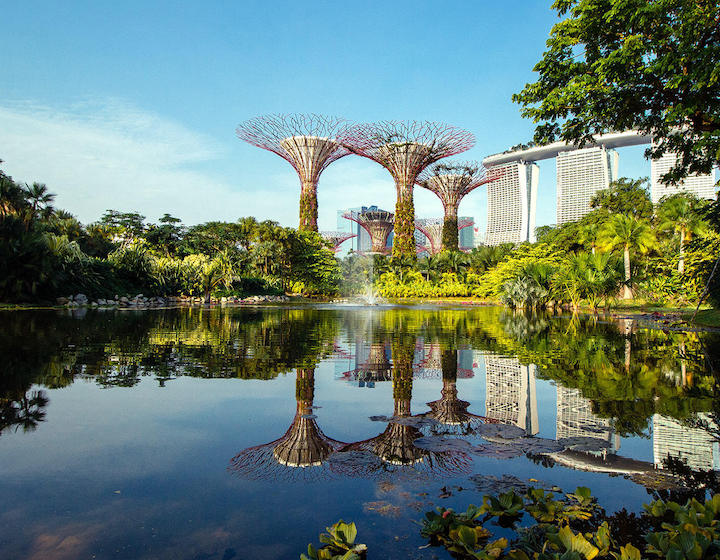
[[512, 199]]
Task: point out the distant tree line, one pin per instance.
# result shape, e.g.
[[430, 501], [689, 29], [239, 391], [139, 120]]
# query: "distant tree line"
[[46, 252]]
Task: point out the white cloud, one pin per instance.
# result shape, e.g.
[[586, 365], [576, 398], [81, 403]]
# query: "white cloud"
[[109, 154]]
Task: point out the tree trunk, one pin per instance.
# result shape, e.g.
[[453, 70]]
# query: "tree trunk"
[[450, 236], [308, 207], [404, 239], [681, 262], [627, 292]]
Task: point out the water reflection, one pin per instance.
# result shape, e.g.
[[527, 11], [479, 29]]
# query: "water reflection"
[[301, 453], [614, 379]]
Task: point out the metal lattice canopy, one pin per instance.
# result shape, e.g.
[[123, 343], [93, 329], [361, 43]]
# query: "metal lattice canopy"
[[308, 142], [432, 228], [378, 224], [337, 238], [452, 181], [405, 149]]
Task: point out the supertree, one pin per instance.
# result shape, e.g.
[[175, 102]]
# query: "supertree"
[[301, 453], [308, 142], [449, 411], [394, 449], [451, 182], [337, 238], [377, 367], [433, 229], [405, 149], [378, 224]]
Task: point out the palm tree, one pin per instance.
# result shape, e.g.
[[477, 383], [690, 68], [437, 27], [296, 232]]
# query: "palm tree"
[[679, 213], [39, 196], [630, 233]]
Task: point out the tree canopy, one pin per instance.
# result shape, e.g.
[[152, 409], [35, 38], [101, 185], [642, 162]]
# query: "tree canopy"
[[651, 65]]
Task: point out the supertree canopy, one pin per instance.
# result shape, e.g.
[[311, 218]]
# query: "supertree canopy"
[[301, 453], [433, 229], [378, 224], [394, 448], [405, 149], [337, 238], [308, 142], [451, 182]]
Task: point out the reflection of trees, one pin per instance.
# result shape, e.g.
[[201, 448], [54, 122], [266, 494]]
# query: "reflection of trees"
[[301, 453], [22, 411], [449, 411], [394, 447]]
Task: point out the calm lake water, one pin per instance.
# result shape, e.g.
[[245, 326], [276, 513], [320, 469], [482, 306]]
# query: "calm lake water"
[[243, 432]]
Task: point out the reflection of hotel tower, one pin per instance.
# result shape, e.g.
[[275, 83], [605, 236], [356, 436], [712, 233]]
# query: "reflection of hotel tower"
[[694, 445], [510, 393], [575, 419]]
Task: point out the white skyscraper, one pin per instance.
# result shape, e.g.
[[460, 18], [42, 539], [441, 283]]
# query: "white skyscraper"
[[575, 419], [511, 204], [701, 185], [694, 445], [510, 393], [580, 174]]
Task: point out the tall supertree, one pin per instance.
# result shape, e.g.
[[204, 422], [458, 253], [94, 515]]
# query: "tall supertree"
[[337, 238], [433, 229], [405, 149], [308, 142], [449, 411], [301, 453], [378, 224], [451, 182], [394, 447]]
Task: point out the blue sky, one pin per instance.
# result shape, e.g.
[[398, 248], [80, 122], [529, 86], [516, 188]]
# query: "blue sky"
[[133, 105]]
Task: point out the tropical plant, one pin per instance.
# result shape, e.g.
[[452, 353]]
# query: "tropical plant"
[[339, 544], [630, 234], [681, 213]]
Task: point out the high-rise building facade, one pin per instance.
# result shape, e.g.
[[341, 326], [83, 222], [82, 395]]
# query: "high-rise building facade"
[[581, 174], [703, 186], [510, 395], [693, 445], [511, 204]]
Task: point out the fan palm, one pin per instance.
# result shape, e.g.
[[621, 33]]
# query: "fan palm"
[[629, 233], [679, 214]]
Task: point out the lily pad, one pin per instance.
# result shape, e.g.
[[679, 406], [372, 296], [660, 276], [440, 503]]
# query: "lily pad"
[[497, 451], [584, 443], [537, 445], [441, 444], [504, 431]]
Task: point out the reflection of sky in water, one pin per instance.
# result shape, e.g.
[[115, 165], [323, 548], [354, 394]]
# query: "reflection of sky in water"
[[142, 472]]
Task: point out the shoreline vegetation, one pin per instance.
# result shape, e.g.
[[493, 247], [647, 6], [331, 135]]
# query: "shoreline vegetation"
[[627, 253]]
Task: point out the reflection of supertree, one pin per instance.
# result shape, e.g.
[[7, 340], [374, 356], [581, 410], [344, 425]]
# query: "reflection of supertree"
[[394, 447], [376, 368], [308, 142], [378, 224], [337, 238], [301, 453], [433, 228], [451, 182], [449, 411], [431, 366], [405, 149]]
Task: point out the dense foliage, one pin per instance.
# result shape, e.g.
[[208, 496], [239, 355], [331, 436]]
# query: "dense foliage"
[[45, 253], [624, 248], [574, 527], [633, 64]]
